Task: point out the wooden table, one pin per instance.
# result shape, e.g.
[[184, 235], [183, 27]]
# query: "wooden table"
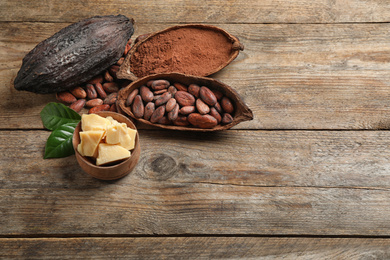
[[308, 178]]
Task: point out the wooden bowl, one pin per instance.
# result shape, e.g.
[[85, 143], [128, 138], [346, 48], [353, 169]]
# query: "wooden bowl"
[[111, 172]]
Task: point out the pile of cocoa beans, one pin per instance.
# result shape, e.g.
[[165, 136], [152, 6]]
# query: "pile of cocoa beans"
[[98, 94], [161, 102]]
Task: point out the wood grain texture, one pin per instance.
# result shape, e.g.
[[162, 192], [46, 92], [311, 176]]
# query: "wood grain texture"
[[195, 248], [231, 183], [186, 11], [291, 76]]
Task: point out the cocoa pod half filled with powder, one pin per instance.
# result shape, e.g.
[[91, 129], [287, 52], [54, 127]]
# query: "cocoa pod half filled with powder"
[[180, 109], [75, 54]]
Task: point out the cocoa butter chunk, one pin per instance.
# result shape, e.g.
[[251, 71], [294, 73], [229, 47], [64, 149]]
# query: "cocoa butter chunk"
[[75, 54], [89, 142], [110, 153]]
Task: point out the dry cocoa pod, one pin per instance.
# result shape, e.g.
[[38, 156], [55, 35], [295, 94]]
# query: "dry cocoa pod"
[[66, 97], [163, 99], [149, 109], [202, 107], [131, 96], [59, 62], [184, 98], [138, 107], [146, 94], [78, 92], [170, 105], [78, 105], [207, 96], [241, 111], [213, 49], [94, 102], [104, 107], [157, 114], [91, 91], [202, 121], [110, 87], [100, 90]]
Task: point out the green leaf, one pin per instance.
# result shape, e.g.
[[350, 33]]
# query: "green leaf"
[[59, 144], [54, 115]]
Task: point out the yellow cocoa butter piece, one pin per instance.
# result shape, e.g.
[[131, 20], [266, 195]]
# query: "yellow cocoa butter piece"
[[93, 122], [109, 153], [89, 141]]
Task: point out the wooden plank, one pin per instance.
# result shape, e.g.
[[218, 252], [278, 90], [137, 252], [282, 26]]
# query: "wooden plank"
[[234, 182], [291, 76], [195, 248], [178, 11]]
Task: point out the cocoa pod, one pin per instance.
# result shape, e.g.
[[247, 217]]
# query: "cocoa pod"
[[187, 110], [110, 87], [78, 92], [111, 99], [146, 94], [194, 90], [58, 63], [66, 97], [94, 102], [157, 114], [99, 89], [131, 97], [149, 109], [104, 107], [159, 84], [202, 107], [138, 107], [184, 98], [78, 105], [202, 121], [214, 113], [174, 113], [207, 96], [163, 99], [226, 119], [227, 105], [170, 105], [91, 91]]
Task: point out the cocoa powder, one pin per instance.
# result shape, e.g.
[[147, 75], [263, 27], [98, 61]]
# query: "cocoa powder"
[[183, 51]]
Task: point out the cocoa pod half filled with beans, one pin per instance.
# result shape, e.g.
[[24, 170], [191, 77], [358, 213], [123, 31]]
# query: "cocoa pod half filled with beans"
[[195, 108]]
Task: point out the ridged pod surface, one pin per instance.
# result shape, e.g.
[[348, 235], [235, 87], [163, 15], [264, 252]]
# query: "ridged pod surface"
[[75, 54]]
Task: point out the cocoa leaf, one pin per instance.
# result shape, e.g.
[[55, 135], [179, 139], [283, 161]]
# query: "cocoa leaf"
[[54, 115], [59, 143]]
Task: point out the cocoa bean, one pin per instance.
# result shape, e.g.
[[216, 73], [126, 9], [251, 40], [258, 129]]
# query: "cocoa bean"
[[120, 61], [164, 121], [146, 94], [113, 69], [111, 99], [180, 87], [174, 113], [159, 84], [138, 107], [226, 119], [218, 94], [157, 114], [194, 90], [94, 102], [127, 48], [108, 77], [207, 96], [113, 108], [163, 99], [91, 91], [202, 107], [161, 91], [110, 87], [149, 109], [202, 121], [181, 121], [187, 110], [218, 107], [170, 105], [78, 92], [184, 98], [78, 105], [100, 90], [131, 97], [96, 79], [172, 90], [214, 113], [66, 97], [104, 107], [227, 105]]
